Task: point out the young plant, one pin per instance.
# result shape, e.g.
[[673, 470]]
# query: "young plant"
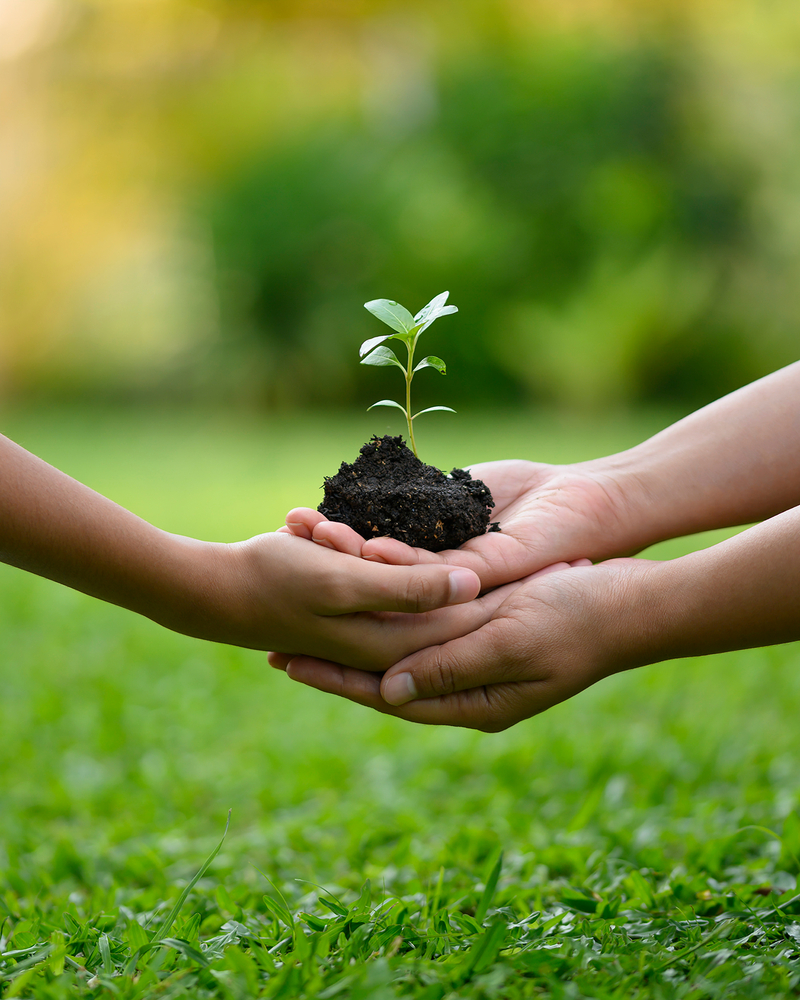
[[407, 329]]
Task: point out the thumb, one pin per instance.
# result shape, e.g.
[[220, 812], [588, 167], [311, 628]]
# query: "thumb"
[[489, 655], [414, 589], [438, 671]]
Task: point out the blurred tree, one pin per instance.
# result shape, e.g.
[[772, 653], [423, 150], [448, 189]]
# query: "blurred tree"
[[556, 189], [198, 195]]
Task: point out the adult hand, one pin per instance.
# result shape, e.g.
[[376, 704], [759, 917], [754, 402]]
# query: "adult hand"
[[728, 464], [547, 513], [555, 634]]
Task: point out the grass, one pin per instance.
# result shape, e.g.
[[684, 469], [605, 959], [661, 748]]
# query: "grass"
[[639, 841]]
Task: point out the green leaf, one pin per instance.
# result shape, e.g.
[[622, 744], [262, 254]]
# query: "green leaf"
[[489, 891], [137, 935], [333, 905], [278, 910], [176, 909], [429, 409], [364, 900], [392, 314], [59, 952], [383, 357], [432, 311], [186, 949], [367, 346], [581, 903], [432, 362], [486, 948], [313, 922], [387, 402], [105, 954]]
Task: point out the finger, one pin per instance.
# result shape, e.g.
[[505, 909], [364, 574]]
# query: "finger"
[[490, 709], [279, 661], [552, 568], [487, 656], [497, 558], [338, 536], [581, 562], [372, 587], [397, 553], [388, 639], [332, 678], [301, 521]]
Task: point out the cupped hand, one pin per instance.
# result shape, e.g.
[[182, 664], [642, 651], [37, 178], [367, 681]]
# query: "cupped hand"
[[547, 514], [555, 634], [292, 595]]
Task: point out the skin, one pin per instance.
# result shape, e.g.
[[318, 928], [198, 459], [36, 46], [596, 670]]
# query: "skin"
[[275, 591], [731, 463]]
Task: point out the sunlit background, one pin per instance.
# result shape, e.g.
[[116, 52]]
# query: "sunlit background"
[[197, 197]]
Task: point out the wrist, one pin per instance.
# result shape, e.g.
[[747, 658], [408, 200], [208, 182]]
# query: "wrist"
[[646, 612], [648, 496], [208, 590], [183, 584]]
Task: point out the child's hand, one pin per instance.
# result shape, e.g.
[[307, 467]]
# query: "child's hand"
[[305, 522], [282, 593]]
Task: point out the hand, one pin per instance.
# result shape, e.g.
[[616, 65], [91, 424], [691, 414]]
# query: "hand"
[[563, 629], [555, 634], [547, 513], [282, 593], [274, 591]]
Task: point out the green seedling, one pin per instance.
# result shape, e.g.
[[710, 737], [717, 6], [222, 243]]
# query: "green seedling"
[[407, 329]]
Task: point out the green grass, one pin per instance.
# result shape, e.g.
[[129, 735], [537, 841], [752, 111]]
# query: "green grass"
[[617, 846]]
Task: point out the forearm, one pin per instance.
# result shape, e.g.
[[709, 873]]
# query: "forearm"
[[58, 528], [733, 462], [741, 593]]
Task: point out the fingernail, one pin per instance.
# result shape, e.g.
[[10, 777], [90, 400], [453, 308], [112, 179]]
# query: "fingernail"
[[399, 690], [462, 586]]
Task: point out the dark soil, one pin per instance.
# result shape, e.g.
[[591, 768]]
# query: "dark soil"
[[389, 491]]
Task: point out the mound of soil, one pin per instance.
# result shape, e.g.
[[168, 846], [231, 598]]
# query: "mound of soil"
[[389, 491]]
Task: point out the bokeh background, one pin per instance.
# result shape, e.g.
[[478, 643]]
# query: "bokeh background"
[[197, 197]]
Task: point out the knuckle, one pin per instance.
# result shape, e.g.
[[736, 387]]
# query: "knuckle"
[[419, 593], [442, 676], [494, 719]]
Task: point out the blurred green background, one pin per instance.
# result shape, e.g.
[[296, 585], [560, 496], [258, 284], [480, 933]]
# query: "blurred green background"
[[199, 196], [196, 198]]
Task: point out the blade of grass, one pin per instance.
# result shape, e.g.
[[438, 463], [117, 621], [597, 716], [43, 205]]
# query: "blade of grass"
[[176, 909], [155, 941], [488, 893]]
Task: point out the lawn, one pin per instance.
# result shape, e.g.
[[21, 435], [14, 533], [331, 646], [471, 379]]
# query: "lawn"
[[639, 841]]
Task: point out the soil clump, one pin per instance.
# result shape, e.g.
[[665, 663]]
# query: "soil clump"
[[388, 491]]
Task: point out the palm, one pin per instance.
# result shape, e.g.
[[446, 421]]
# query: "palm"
[[547, 514]]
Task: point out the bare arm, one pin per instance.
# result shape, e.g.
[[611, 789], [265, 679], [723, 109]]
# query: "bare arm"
[[269, 592], [731, 463]]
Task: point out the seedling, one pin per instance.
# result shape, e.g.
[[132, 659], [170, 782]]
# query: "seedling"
[[407, 329]]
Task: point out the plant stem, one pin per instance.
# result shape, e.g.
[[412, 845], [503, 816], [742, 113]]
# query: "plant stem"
[[409, 376]]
